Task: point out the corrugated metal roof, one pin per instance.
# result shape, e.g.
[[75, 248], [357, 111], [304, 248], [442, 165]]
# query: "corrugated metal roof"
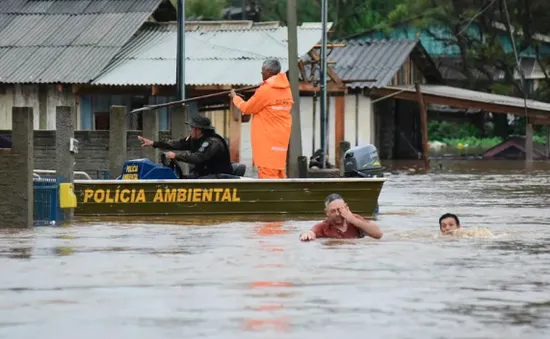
[[481, 97], [229, 25], [212, 58], [362, 60], [449, 68], [68, 41]]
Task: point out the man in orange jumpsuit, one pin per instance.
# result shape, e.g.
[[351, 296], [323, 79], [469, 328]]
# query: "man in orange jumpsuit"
[[270, 108]]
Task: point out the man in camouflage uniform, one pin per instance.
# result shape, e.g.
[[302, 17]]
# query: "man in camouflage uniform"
[[206, 150]]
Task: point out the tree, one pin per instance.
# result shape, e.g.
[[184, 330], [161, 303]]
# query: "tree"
[[347, 16], [204, 9]]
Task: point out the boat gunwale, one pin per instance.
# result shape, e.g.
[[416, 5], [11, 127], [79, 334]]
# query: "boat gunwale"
[[232, 181]]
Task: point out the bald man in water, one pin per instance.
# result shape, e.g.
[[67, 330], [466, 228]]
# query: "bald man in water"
[[341, 223]]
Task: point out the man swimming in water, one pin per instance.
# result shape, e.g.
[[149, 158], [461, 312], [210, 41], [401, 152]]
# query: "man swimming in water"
[[448, 223], [341, 223]]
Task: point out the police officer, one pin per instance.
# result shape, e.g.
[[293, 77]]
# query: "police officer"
[[204, 148]]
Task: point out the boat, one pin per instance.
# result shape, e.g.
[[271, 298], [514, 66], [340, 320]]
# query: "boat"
[[145, 188]]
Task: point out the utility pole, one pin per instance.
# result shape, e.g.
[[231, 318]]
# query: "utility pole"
[[180, 73], [295, 147], [180, 55], [323, 111]]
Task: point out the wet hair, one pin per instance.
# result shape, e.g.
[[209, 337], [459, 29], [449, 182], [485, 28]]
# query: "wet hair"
[[449, 215], [331, 197], [272, 65]]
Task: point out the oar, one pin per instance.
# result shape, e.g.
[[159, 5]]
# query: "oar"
[[172, 103]]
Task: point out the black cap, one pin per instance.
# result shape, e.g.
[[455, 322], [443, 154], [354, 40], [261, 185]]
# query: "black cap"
[[201, 122]]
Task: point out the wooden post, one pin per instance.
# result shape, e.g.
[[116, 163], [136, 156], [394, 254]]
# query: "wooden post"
[[339, 126], [528, 145], [234, 132], [424, 126]]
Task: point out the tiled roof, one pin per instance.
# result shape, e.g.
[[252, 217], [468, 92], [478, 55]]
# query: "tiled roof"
[[225, 57], [67, 41]]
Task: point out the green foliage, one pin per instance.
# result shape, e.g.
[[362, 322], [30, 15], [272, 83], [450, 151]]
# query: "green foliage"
[[207, 9], [438, 131], [348, 16], [473, 142]]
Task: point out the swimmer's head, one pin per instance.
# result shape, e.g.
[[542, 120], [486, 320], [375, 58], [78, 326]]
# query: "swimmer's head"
[[448, 223], [334, 203]]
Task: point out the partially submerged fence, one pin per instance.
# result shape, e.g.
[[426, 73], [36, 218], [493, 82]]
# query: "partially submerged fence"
[[46, 201]]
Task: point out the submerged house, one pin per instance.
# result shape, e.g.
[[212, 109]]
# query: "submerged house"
[[382, 105]]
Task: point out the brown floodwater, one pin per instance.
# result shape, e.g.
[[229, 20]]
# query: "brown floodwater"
[[207, 278]]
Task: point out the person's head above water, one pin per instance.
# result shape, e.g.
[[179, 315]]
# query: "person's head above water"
[[448, 222], [334, 203]]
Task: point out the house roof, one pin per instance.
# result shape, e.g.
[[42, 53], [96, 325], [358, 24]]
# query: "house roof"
[[65, 41], [228, 25], [450, 69], [513, 147], [377, 60], [465, 98], [438, 39], [223, 57]]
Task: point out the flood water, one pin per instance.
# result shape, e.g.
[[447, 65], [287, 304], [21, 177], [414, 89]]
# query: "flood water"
[[256, 280]]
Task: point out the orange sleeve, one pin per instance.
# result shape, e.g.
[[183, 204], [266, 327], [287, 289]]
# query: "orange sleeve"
[[254, 105]]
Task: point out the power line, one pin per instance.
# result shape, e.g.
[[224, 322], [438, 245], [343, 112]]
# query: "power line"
[[475, 16], [518, 65]]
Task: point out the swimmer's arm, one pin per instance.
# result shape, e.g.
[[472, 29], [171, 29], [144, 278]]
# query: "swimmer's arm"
[[370, 228]]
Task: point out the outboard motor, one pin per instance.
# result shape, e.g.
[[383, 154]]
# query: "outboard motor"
[[363, 162]]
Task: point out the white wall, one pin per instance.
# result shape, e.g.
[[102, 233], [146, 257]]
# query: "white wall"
[[27, 95], [17, 95], [246, 145], [366, 126], [56, 98]]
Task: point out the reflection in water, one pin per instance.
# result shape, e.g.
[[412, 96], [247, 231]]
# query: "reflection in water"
[[268, 318], [17, 253], [255, 279], [63, 251]]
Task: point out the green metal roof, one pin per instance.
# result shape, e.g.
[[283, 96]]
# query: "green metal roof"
[[436, 45]]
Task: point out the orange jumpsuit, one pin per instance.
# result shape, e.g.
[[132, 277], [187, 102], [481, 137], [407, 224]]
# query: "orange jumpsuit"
[[271, 123]]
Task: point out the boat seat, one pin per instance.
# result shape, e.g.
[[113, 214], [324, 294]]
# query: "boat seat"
[[238, 169]]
